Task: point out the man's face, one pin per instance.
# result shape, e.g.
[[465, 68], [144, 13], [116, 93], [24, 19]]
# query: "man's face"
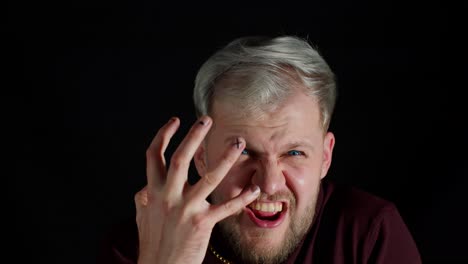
[[286, 155]]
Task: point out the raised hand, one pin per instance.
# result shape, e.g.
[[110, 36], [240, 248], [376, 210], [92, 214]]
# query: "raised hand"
[[174, 219]]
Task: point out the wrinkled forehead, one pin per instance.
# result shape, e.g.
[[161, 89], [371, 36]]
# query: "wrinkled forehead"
[[297, 118]]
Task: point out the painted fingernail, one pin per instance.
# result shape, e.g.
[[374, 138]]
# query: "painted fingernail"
[[204, 121], [238, 142], [171, 120], [255, 189]]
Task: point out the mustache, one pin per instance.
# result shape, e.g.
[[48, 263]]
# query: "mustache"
[[278, 196]]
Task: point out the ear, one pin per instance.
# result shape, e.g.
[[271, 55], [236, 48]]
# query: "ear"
[[200, 161], [328, 144]]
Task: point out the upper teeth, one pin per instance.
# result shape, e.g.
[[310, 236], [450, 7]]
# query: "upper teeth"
[[267, 207]]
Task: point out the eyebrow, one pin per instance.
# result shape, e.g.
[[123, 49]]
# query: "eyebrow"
[[296, 144], [290, 145]]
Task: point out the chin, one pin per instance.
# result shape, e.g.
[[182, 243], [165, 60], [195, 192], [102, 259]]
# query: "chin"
[[266, 247], [263, 237], [253, 244]]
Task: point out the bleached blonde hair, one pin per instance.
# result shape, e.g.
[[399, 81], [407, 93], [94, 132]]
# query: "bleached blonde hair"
[[258, 73]]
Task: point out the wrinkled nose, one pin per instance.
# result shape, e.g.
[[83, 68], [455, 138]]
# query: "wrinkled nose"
[[269, 176]]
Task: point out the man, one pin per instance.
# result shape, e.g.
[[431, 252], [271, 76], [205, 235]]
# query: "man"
[[262, 148]]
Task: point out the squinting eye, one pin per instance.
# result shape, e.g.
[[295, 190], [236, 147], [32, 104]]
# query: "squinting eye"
[[295, 153], [245, 152]]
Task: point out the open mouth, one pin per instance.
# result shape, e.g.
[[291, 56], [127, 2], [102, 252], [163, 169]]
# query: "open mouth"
[[267, 214]]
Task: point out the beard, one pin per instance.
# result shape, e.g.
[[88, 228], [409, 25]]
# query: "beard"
[[253, 249]]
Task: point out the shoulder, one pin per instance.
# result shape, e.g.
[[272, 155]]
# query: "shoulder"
[[356, 223], [354, 203], [351, 215]]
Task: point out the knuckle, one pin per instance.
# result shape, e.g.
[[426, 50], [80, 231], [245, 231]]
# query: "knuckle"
[[153, 155], [166, 206], [178, 161], [141, 197], [150, 153], [136, 197], [200, 222], [228, 206], [209, 179], [165, 136]]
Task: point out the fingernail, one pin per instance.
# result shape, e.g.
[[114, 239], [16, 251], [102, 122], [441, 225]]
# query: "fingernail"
[[204, 121], [171, 120], [255, 189], [238, 142]]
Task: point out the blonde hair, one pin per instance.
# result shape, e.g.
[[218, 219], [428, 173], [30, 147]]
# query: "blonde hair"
[[258, 73]]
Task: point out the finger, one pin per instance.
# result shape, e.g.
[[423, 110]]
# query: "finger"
[[180, 161], [221, 211], [155, 161], [211, 180]]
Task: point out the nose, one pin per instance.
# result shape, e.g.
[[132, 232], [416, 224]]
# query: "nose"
[[269, 176]]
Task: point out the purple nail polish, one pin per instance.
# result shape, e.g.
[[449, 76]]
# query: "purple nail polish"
[[204, 121]]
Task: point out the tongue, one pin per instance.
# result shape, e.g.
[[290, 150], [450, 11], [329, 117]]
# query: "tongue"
[[262, 214]]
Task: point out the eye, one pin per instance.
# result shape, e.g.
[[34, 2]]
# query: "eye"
[[295, 153], [245, 152]]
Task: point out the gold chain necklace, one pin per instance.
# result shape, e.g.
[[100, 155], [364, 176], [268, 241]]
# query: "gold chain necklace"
[[218, 256]]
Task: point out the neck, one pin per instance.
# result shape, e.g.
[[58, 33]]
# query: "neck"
[[218, 256], [221, 246]]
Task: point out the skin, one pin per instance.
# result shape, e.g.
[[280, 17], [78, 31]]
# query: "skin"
[[175, 221], [287, 155]]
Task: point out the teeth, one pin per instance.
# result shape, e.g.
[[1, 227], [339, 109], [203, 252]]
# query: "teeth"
[[267, 207]]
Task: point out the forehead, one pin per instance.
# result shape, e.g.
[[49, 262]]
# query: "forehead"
[[298, 116]]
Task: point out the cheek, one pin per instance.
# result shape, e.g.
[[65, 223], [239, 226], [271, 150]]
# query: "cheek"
[[303, 182], [302, 172], [233, 183], [298, 180]]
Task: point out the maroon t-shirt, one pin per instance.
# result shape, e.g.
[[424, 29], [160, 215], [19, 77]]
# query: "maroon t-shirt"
[[350, 226]]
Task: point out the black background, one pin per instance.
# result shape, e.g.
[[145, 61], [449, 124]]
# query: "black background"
[[88, 84]]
